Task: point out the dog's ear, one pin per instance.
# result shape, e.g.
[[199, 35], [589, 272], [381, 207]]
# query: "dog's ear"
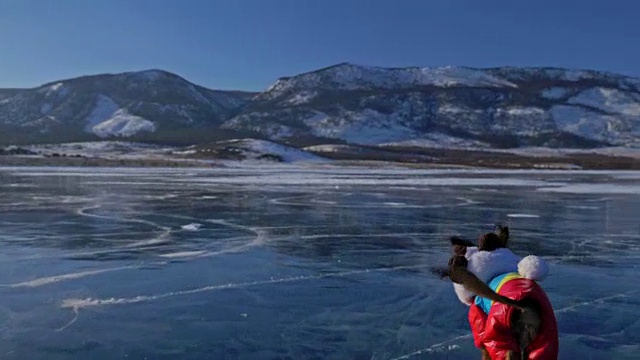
[[503, 235], [456, 240], [459, 245], [489, 242]]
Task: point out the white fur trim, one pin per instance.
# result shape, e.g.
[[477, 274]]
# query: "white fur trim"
[[486, 265], [465, 296], [533, 267], [470, 251]]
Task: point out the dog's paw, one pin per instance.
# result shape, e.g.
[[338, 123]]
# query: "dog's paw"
[[458, 260], [441, 272]]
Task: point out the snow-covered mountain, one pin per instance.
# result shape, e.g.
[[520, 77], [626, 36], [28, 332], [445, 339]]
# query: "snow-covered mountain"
[[498, 107], [345, 103], [119, 105]]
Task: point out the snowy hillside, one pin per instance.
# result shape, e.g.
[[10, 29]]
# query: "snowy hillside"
[[500, 107], [352, 77], [108, 119], [120, 105]]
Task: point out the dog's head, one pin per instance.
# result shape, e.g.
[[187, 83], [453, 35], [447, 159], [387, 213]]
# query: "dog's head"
[[487, 242]]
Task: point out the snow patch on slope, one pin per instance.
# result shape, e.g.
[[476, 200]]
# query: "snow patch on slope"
[[315, 120], [517, 73], [45, 108], [454, 76], [439, 140], [103, 110], [580, 121], [522, 111], [366, 127], [278, 131], [198, 95], [302, 97], [450, 109], [328, 148], [608, 100], [107, 119], [520, 120], [554, 93], [270, 128], [149, 75], [123, 124], [57, 89], [570, 74]]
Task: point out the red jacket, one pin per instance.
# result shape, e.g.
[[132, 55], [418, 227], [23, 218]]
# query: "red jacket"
[[493, 331]]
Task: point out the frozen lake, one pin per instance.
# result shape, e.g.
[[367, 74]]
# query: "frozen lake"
[[287, 262]]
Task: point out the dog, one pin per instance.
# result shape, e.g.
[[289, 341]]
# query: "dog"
[[510, 315]]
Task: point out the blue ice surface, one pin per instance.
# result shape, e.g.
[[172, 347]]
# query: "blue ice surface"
[[299, 262]]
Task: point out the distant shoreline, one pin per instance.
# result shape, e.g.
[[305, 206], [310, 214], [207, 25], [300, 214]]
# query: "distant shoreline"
[[11, 160], [441, 159]]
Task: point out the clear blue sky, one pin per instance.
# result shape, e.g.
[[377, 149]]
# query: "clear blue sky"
[[248, 44]]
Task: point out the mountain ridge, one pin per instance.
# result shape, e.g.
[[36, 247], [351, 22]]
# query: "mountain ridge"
[[119, 105], [479, 104], [492, 107]]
